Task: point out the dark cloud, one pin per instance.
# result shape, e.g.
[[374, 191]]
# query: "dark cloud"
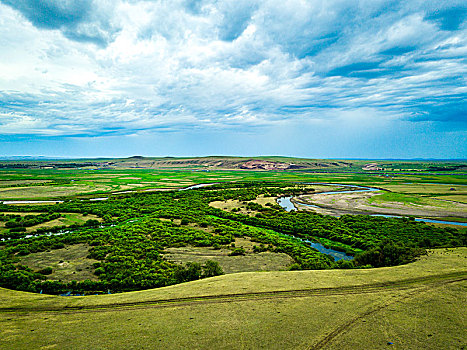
[[52, 14], [450, 109], [78, 20], [449, 18], [194, 6], [398, 50], [356, 69], [236, 17]]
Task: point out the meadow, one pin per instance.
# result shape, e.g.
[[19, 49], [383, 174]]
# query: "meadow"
[[415, 306], [224, 265]]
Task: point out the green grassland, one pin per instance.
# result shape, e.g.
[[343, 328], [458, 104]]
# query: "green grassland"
[[415, 306], [147, 234], [241, 205], [67, 264], [232, 163], [59, 183]]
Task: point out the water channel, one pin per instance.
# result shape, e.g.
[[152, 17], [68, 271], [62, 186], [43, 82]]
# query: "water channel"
[[30, 202], [286, 203]]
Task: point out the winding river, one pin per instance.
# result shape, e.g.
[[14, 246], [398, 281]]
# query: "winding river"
[[286, 202]]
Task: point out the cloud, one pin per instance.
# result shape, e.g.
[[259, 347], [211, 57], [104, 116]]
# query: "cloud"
[[231, 65], [85, 21], [450, 18]]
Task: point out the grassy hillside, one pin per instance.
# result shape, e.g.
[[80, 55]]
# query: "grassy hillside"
[[415, 306]]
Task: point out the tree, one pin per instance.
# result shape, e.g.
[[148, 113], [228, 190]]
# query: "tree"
[[212, 268]]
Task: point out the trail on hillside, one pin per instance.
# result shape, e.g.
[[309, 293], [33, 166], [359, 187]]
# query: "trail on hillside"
[[413, 285], [344, 328]]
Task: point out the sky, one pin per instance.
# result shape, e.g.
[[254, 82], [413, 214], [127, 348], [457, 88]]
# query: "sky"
[[314, 79]]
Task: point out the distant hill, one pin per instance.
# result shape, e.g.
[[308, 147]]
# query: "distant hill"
[[264, 163]]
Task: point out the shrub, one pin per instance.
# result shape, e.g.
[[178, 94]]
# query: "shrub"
[[237, 251], [212, 268], [45, 271]]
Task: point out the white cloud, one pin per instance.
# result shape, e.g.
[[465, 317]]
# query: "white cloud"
[[180, 64]]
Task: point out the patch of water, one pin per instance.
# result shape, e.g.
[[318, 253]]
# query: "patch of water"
[[192, 187], [309, 205], [337, 255], [286, 203]]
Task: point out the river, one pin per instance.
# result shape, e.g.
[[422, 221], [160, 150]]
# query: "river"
[[286, 202]]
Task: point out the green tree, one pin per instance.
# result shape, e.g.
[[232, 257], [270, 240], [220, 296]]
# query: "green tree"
[[212, 268]]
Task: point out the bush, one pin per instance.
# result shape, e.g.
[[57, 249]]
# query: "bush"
[[260, 248], [237, 251], [17, 229], [45, 271], [99, 271], [295, 267], [212, 268], [91, 222]]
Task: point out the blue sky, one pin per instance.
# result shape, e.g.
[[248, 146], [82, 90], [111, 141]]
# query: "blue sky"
[[317, 79]]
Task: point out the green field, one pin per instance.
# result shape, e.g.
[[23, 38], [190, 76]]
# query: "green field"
[[416, 306], [41, 180], [156, 248]]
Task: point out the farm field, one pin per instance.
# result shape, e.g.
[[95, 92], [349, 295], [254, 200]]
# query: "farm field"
[[412, 306], [233, 175]]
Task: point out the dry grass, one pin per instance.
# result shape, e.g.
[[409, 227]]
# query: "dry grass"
[[233, 204], [48, 191], [347, 314], [68, 264], [454, 198], [250, 262], [384, 203], [21, 182], [422, 188]]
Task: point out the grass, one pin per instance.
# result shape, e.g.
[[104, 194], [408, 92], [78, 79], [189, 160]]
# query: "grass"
[[456, 198], [68, 264], [77, 182], [415, 200], [67, 219], [419, 305], [430, 189], [396, 197], [250, 262]]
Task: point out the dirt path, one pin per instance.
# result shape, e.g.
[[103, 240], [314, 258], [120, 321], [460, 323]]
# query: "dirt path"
[[344, 328], [412, 284]]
